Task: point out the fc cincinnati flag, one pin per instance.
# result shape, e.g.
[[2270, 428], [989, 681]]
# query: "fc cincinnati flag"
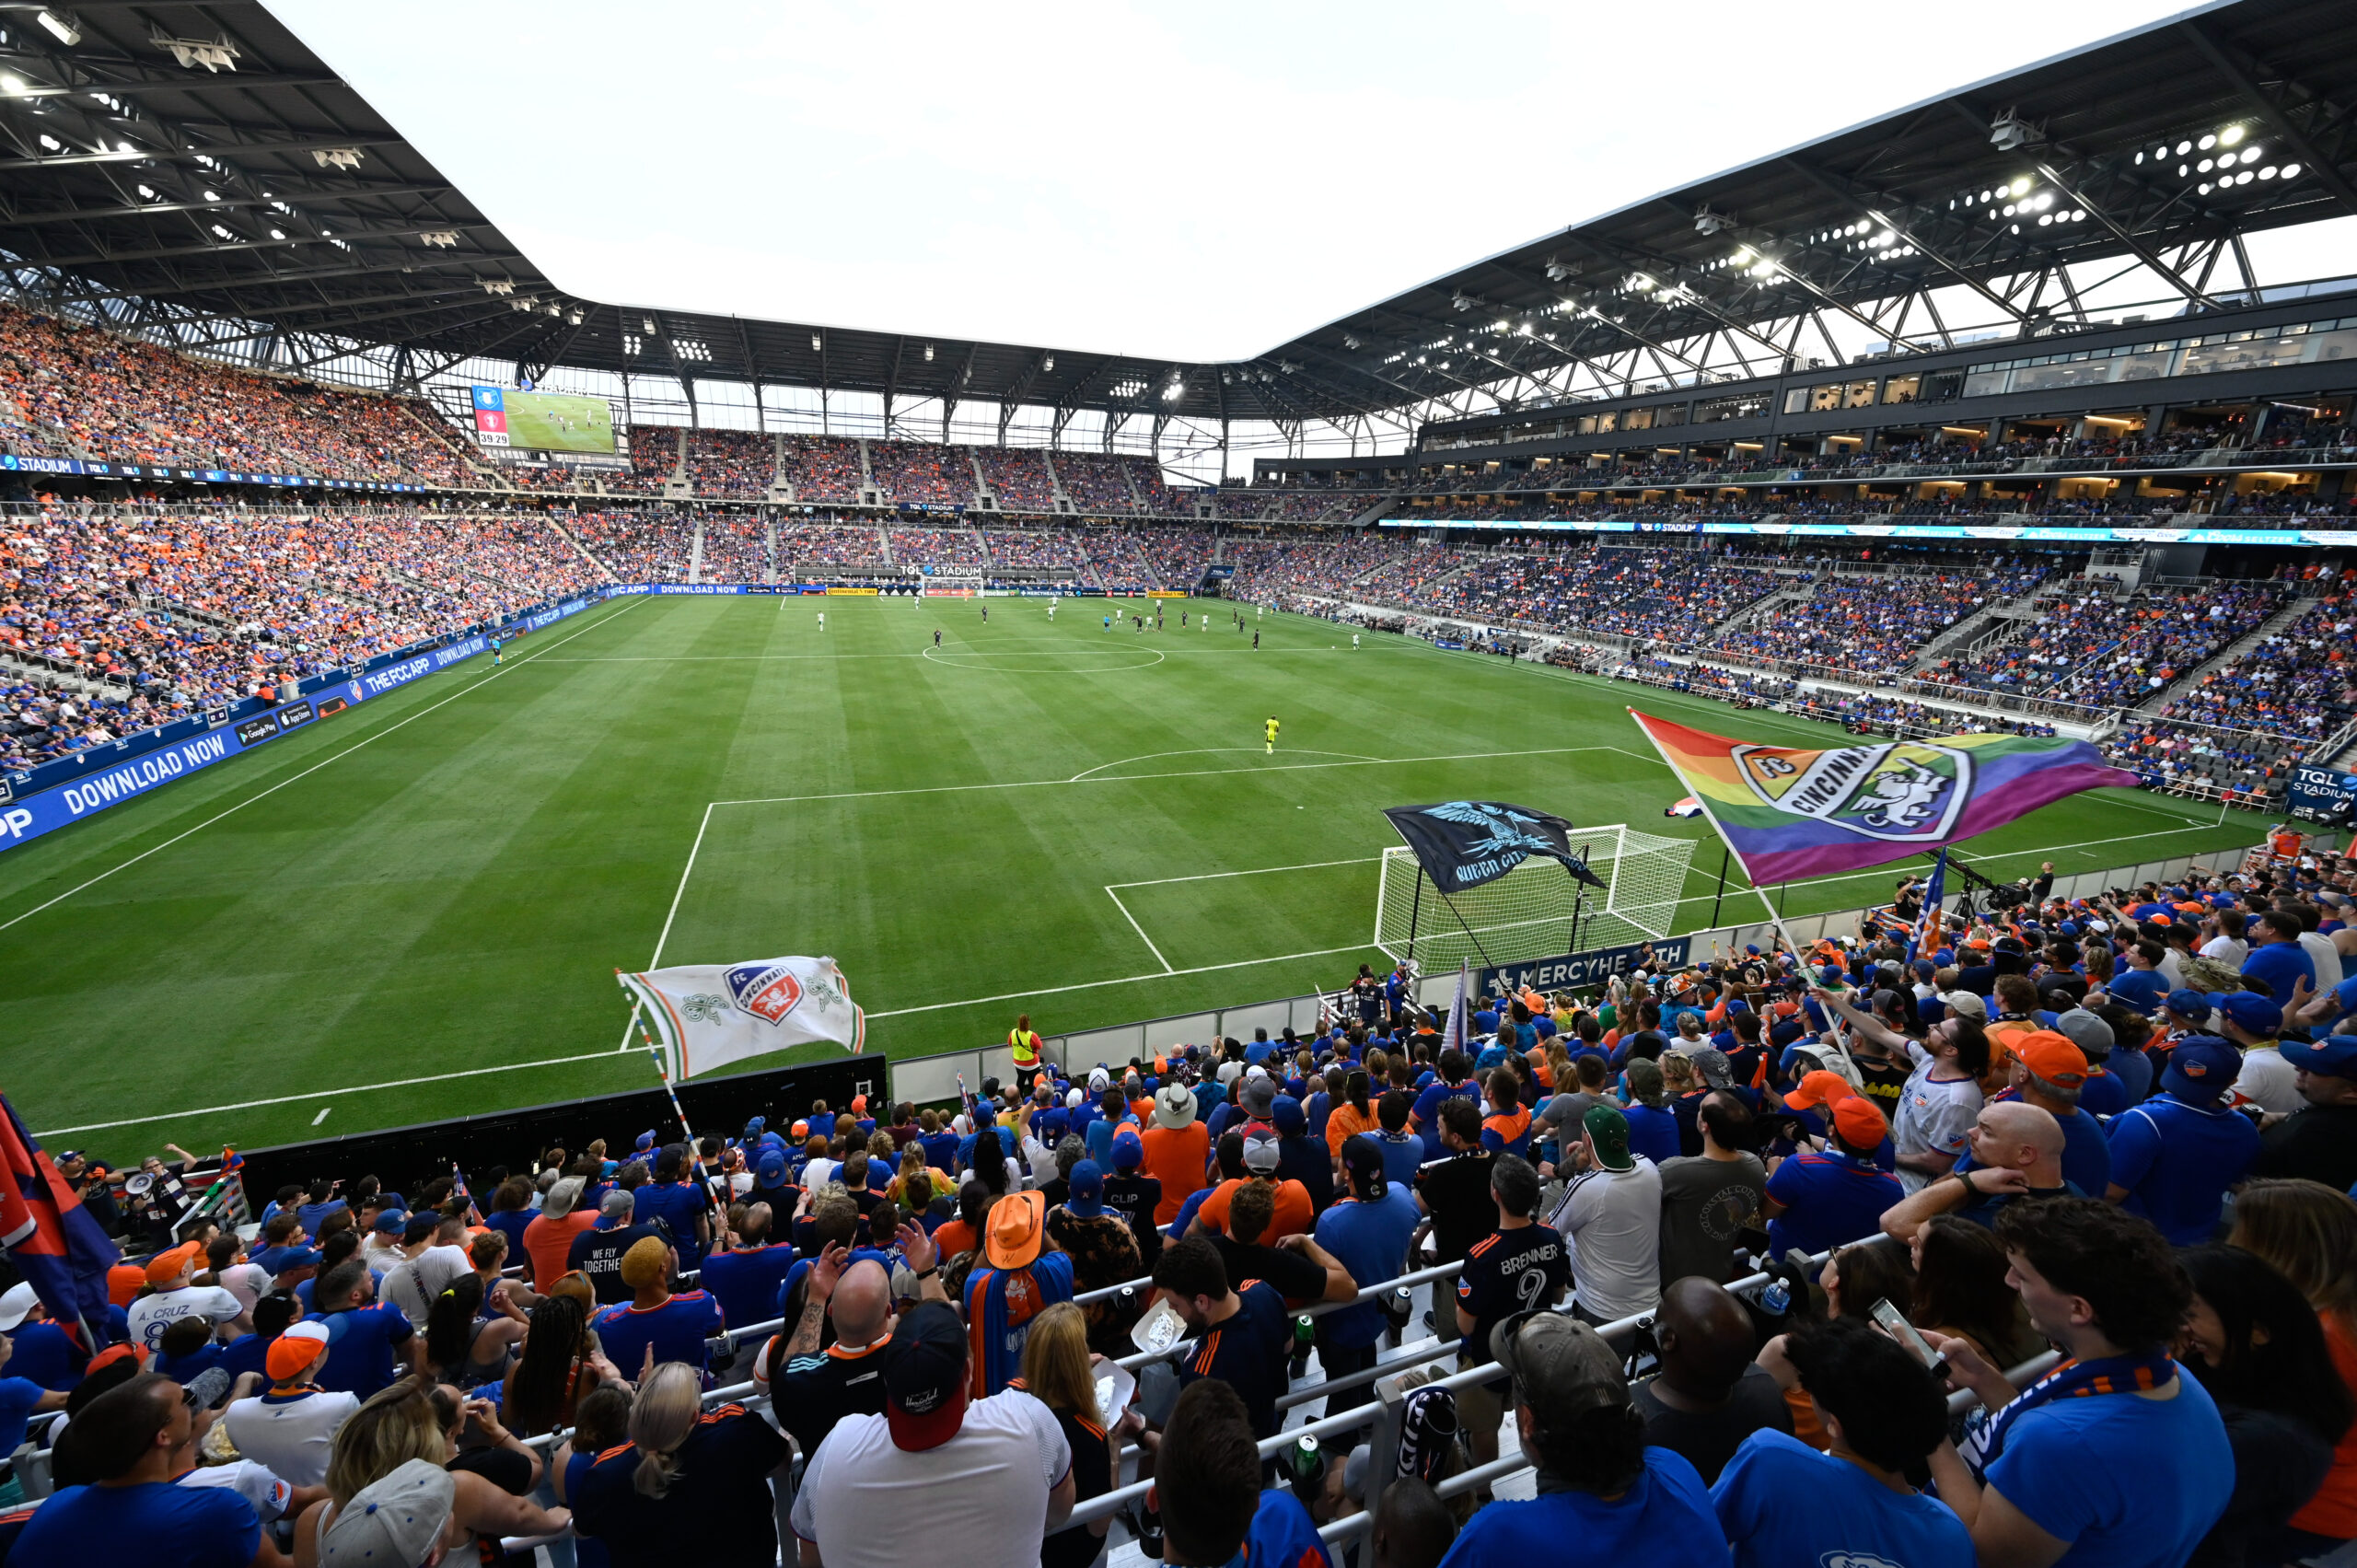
[[56, 1242], [707, 1016], [1790, 812]]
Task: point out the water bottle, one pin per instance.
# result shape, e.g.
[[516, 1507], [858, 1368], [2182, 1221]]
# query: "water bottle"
[[1399, 1307], [1306, 1469], [1304, 1334], [1777, 1298]]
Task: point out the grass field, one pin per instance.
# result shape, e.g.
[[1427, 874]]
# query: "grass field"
[[414, 910]]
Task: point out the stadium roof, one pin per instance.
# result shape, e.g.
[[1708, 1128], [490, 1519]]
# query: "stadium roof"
[[200, 158]]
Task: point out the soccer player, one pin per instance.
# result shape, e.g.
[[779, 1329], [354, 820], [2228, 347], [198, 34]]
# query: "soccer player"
[[1354, 639], [496, 645], [1271, 726], [936, 637], [1256, 637], [986, 614], [822, 621], [1109, 622]]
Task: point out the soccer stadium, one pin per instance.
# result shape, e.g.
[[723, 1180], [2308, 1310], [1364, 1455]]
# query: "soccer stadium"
[[1686, 892]]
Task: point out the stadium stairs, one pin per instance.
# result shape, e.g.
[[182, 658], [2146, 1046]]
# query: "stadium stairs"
[[1368, 515], [1788, 594], [1999, 623], [695, 552], [676, 487], [1064, 501], [603, 570]]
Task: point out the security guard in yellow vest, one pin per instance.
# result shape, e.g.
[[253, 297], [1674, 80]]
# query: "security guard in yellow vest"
[[1024, 1042]]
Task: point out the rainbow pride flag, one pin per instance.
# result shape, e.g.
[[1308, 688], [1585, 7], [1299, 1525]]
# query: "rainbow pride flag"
[[1788, 813]]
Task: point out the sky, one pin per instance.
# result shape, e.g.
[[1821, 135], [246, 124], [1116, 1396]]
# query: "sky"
[[1196, 181]]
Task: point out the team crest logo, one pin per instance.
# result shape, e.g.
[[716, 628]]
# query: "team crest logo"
[[1503, 827], [1903, 791], [769, 991]]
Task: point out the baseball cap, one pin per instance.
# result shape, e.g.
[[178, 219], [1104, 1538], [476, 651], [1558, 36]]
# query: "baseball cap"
[[1822, 1088], [2084, 1029], [1833, 974], [166, 1266], [2334, 1057], [1174, 1107], [754, 1126], [2189, 1004], [1859, 1121], [1099, 1080], [1363, 1161], [1260, 1151], [1287, 1117], [770, 1170], [1019, 1225], [2201, 1069], [1260, 1095], [395, 1521], [1608, 1131], [18, 1305], [2054, 1056], [1560, 1365], [645, 1140], [2251, 1013], [1712, 1064], [295, 1349], [1129, 1149], [135, 1354], [1965, 1004], [924, 1377], [392, 1222], [1087, 1189]]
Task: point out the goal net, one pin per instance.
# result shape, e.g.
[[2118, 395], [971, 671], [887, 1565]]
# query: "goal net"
[[1526, 913]]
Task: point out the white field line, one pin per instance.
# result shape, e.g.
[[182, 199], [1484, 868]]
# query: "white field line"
[[475, 685], [1257, 871], [1207, 751], [1140, 930]]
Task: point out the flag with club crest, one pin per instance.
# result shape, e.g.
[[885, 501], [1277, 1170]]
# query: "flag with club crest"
[[707, 1016]]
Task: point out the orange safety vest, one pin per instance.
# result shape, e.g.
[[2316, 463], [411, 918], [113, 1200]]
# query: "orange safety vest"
[[1026, 1047]]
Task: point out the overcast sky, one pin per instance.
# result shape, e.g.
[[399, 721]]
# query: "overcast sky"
[[1197, 181]]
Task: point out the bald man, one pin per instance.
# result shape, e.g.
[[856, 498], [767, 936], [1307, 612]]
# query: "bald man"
[[1710, 1395], [2016, 1157], [812, 1388]]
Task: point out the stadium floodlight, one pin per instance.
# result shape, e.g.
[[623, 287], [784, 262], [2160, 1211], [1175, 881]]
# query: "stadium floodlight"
[[2230, 135], [648, 322], [1463, 301], [1561, 272], [1708, 221], [818, 345], [1049, 362], [61, 27], [336, 157], [574, 318], [445, 237], [928, 353], [14, 85], [501, 286], [1352, 341], [2009, 131], [215, 54]]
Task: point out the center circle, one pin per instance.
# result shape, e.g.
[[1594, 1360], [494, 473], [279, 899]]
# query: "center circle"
[[1044, 663]]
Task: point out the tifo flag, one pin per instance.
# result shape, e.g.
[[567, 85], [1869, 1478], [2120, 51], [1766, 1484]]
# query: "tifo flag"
[[1789, 812], [1689, 807], [1463, 843], [56, 1242], [706, 1016], [1925, 937]]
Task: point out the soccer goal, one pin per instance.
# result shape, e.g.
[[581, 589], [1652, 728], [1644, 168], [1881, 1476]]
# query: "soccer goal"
[[1527, 913]]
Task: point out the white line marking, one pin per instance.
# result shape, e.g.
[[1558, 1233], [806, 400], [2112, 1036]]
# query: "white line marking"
[[1098, 984], [476, 685], [357, 1089], [1257, 871], [1192, 773], [1140, 930], [322, 1116], [1206, 751], [930, 653], [685, 872]]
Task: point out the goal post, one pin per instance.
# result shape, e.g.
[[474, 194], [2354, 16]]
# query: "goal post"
[[1526, 913]]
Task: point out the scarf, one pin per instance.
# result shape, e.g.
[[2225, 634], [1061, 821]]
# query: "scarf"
[[1985, 1439]]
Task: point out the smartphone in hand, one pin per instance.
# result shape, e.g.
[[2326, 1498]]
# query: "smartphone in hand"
[[1894, 1322]]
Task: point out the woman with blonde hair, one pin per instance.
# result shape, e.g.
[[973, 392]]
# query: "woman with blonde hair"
[[2309, 1233], [691, 1486], [1059, 1372], [396, 1426]]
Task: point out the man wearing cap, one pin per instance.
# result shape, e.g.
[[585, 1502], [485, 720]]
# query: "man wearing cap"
[[289, 1428], [2267, 1080], [1520, 1265], [1367, 1233], [174, 1297], [1610, 1214], [1103, 1251], [2320, 1142], [1020, 1277], [1821, 1198], [2017, 1154], [2174, 1156], [1605, 1498], [1012, 1467], [674, 1326], [1263, 1154], [598, 1253], [135, 1437], [1177, 1147]]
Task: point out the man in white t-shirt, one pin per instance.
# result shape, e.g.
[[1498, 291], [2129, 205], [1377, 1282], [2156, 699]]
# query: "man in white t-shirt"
[[174, 1297], [996, 1473], [289, 1429], [2321, 949], [1611, 1215]]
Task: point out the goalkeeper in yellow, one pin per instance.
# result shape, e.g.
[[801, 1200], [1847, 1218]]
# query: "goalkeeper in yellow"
[[1271, 727]]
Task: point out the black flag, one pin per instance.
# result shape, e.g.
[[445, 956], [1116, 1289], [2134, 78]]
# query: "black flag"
[[1463, 843]]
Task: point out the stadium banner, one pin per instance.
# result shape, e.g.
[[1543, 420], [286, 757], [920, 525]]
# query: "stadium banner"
[[2321, 794], [72, 788], [1788, 813], [707, 1016], [857, 593], [2279, 537], [1168, 593], [677, 588], [1463, 843], [107, 468], [1591, 968]]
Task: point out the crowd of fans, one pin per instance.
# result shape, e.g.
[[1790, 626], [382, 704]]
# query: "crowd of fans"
[[823, 467], [735, 549], [2038, 1247], [941, 549], [740, 464], [1018, 478], [1037, 550], [1872, 623], [807, 545], [916, 474], [2088, 645], [1099, 483]]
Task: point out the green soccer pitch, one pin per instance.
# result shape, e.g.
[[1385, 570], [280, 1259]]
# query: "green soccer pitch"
[[413, 910]]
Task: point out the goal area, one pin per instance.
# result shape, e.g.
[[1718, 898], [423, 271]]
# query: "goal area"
[[1527, 913]]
